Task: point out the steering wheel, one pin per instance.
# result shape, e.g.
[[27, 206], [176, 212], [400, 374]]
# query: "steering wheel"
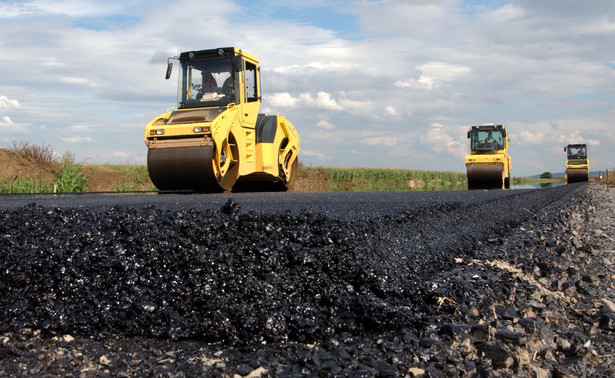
[[197, 87]]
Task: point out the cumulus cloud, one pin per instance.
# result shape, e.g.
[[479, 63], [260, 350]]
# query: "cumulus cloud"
[[528, 137], [324, 124], [314, 154], [6, 122], [7, 103], [77, 139], [322, 100], [380, 141], [442, 140], [437, 73], [7, 126], [78, 81], [74, 8], [318, 66]]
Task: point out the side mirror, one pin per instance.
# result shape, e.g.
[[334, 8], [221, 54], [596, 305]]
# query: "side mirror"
[[564, 149], [169, 69]]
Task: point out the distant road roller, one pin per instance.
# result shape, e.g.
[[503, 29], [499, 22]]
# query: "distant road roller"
[[216, 139], [577, 163], [488, 165]]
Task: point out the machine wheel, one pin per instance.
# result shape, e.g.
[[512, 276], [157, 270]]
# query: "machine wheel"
[[287, 183], [226, 163]]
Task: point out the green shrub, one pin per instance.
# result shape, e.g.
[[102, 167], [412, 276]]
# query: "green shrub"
[[71, 177]]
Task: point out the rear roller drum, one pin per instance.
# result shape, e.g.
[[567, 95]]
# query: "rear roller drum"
[[194, 168], [574, 175], [485, 177]]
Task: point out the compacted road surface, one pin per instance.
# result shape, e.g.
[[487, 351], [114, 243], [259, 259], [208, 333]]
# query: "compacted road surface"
[[497, 283]]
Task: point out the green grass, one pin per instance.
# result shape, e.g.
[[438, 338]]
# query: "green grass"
[[535, 180], [376, 179], [25, 185], [70, 178], [124, 168]]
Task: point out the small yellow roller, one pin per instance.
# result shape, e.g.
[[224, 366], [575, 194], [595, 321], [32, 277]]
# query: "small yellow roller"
[[488, 164], [577, 163]]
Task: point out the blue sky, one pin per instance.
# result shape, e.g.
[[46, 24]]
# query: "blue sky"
[[390, 84]]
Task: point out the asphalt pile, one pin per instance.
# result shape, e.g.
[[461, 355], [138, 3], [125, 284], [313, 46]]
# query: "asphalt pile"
[[518, 286]]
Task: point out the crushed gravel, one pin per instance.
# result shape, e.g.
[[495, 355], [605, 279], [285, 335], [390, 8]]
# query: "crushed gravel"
[[512, 284]]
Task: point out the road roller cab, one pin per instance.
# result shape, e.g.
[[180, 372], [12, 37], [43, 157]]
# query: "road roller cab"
[[488, 164], [216, 139], [577, 163]]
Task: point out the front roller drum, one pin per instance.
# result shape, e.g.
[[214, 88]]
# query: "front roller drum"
[[577, 175], [183, 168], [485, 177]]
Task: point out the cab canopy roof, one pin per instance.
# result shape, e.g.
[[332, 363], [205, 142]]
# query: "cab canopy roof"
[[488, 127], [214, 53]]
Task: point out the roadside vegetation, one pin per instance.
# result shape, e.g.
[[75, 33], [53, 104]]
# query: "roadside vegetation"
[[53, 173], [517, 181], [333, 179]]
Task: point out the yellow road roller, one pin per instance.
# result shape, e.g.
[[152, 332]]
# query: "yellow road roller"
[[488, 164], [216, 139], [577, 163]]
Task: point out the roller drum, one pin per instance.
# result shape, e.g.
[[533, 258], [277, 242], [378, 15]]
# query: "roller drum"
[[577, 175], [485, 177], [183, 168]]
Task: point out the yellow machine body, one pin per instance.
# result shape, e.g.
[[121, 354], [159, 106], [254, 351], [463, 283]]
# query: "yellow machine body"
[[577, 163], [216, 139], [488, 164]]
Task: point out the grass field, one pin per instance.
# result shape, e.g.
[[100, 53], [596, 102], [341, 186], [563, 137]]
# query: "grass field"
[[70, 176]]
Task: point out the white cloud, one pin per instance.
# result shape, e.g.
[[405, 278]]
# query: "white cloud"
[[380, 141], [79, 81], [438, 73], [313, 154], [283, 100], [6, 122], [441, 140], [326, 125], [7, 103], [77, 139], [528, 137], [322, 100], [8, 126], [318, 66], [74, 8], [390, 110], [81, 127]]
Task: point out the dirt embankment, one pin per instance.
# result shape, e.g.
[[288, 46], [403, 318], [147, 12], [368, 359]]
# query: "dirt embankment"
[[14, 166]]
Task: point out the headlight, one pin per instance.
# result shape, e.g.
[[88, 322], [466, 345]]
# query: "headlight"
[[200, 129], [156, 132]]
